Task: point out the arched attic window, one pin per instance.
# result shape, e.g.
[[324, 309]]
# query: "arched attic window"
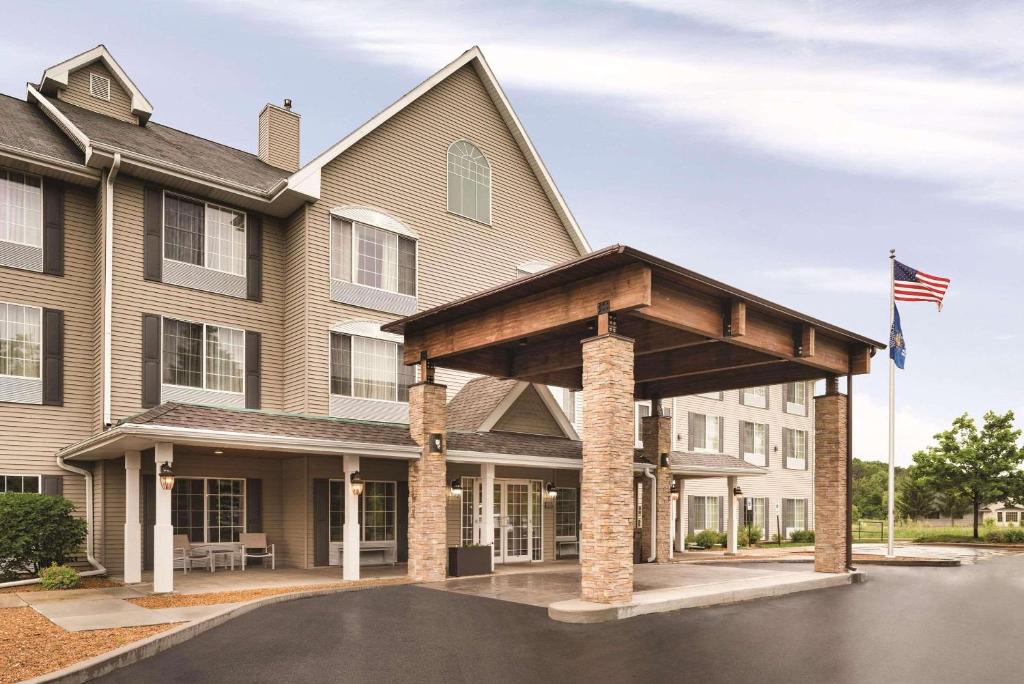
[[469, 182]]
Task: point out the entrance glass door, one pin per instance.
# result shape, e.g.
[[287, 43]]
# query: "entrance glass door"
[[512, 522]]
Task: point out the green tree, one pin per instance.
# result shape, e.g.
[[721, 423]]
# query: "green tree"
[[870, 488], [915, 495], [952, 504], [981, 464]]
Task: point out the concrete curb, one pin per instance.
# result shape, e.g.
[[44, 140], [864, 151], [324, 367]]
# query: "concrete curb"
[[912, 562], [576, 611], [980, 545], [128, 654]]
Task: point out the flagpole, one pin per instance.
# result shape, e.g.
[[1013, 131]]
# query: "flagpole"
[[890, 551]]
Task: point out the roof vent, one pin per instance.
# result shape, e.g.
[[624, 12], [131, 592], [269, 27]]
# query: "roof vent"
[[99, 86]]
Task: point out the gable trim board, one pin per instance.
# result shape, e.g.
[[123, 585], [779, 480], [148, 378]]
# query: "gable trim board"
[[549, 402], [307, 179], [56, 78]]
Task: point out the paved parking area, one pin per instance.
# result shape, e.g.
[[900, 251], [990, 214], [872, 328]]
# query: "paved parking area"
[[903, 625]]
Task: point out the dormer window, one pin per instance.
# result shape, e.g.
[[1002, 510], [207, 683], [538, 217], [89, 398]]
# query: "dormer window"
[[99, 86]]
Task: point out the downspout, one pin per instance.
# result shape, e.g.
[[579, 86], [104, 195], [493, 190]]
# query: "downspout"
[[108, 280], [99, 569], [654, 514]]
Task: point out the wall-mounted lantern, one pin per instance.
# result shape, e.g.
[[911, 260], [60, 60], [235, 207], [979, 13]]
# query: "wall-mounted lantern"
[[455, 488], [673, 490], [166, 476], [737, 492], [551, 490], [355, 482], [436, 443]]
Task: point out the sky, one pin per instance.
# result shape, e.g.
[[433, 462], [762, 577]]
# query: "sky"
[[783, 147]]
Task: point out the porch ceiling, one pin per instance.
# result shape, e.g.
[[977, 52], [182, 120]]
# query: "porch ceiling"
[[692, 334]]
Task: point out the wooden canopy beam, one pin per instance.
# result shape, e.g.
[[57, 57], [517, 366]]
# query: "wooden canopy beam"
[[771, 373], [624, 288], [704, 359]]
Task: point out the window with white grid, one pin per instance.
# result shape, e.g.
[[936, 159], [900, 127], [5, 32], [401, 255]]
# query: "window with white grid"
[[794, 448], [705, 513], [469, 182], [225, 509], [536, 513], [225, 240], [376, 257], [754, 443], [371, 256], [19, 483], [369, 368], [21, 208], [705, 432], [469, 504], [225, 359], [794, 398], [754, 396], [566, 513], [794, 515], [378, 507], [21, 333]]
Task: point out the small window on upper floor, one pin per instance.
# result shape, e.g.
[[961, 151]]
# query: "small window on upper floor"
[[21, 209], [794, 398], [754, 396], [99, 86], [21, 334], [469, 182], [369, 368], [204, 357], [373, 257], [204, 234]]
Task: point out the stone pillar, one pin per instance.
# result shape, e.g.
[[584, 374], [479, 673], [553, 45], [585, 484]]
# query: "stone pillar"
[[606, 480], [731, 519], [657, 432], [428, 545], [487, 508], [132, 526], [163, 531], [830, 524], [350, 536]]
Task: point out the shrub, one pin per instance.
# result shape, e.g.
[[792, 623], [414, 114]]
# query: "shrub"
[[723, 538], [776, 539], [1014, 535], [691, 539], [36, 531], [58, 577], [750, 535], [802, 536], [706, 538], [995, 536]]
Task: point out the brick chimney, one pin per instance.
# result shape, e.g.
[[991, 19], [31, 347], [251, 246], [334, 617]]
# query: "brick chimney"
[[279, 136]]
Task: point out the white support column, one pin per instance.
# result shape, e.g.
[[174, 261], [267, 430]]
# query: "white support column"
[[681, 525], [487, 508], [163, 531], [730, 501], [672, 526], [350, 530], [132, 526]]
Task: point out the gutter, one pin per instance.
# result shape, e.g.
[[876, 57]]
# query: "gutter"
[[98, 568], [654, 515], [108, 280]]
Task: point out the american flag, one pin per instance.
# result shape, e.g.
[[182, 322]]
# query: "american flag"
[[911, 285]]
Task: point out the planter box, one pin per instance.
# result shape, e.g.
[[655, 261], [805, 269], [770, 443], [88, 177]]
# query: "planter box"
[[464, 561]]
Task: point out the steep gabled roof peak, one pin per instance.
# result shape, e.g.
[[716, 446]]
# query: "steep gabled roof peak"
[[55, 78]]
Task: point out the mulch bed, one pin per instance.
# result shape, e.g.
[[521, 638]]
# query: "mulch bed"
[[213, 598], [86, 583], [31, 645]]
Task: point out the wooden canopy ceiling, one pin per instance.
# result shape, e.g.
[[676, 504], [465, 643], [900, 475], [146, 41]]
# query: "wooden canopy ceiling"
[[692, 334]]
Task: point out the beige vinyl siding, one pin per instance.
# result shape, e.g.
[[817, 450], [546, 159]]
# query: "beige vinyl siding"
[[779, 483], [30, 434], [296, 349], [279, 138], [109, 480], [134, 296], [296, 499], [401, 169], [529, 414], [77, 93]]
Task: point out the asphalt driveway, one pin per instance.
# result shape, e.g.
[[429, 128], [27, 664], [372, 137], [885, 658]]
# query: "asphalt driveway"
[[903, 625]]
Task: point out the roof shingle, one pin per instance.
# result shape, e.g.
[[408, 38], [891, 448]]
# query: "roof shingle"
[[25, 127]]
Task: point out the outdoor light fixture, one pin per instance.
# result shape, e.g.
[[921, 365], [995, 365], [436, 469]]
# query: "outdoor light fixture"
[[737, 492], [166, 476], [355, 481], [551, 490], [436, 442], [664, 460], [455, 489], [673, 490], [218, 452]]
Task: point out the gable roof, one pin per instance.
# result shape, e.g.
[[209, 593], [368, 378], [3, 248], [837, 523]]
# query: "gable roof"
[[56, 78], [171, 147], [484, 401], [307, 179]]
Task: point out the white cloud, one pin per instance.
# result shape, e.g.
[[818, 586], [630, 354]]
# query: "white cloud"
[[914, 432], [859, 111], [832, 279]]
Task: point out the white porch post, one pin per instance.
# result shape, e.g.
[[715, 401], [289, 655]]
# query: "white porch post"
[[730, 501], [163, 532], [680, 525], [350, 530], [132, 526], [672, 527], [487, 508]]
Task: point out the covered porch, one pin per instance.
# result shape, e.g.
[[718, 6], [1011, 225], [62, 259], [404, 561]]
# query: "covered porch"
[[620, 326]]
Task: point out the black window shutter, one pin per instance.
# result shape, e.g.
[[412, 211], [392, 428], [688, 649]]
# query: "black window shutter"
[[252, 369], [321, 521], [253, 505], [53, 228], [153, 257], [691, 514], [148, 512], [150, 360], [53, 485], [721, 514], [254, 257], [53, 357], [721, 434]]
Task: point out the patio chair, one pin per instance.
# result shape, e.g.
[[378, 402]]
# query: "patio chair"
[[254, 545], [189, 555]]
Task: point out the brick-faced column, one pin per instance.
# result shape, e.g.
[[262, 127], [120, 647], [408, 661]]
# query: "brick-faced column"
[[657, 432], [830, 524], [428, 545], [606, 497]]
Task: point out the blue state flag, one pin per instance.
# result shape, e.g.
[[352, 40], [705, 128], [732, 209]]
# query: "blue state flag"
[[897, 345]]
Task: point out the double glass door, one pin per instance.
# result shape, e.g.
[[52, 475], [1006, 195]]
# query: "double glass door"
[[512, 521]]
